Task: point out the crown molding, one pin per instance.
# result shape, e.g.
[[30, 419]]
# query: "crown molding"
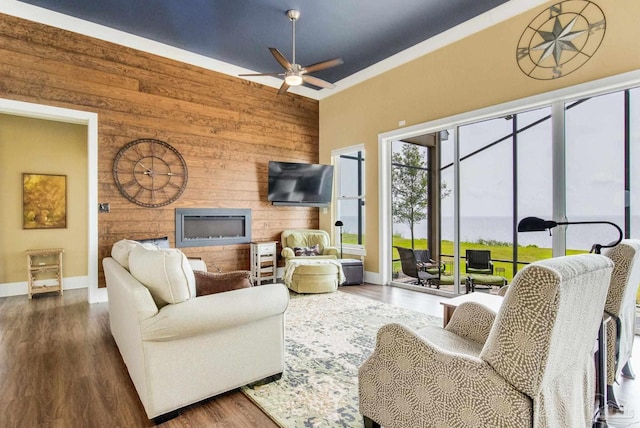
[[76, 25]]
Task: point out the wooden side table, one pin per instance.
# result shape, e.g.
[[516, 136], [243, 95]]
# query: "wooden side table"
[[44, 264], [449, 306], [263, 262]]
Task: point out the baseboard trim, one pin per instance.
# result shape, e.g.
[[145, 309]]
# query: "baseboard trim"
[[20, 288], [369, 277], [373, 278]]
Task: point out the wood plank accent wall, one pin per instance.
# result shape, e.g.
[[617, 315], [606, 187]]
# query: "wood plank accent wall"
[[226, 128]]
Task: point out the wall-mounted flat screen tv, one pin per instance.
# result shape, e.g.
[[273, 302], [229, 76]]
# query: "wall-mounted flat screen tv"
[[300, 184]]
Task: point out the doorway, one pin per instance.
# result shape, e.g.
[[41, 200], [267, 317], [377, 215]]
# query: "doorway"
[[38, 111], [417, 192]]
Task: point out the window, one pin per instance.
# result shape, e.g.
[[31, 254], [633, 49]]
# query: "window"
[[487, 190], [572, 156], [350, 197], [595, 147]]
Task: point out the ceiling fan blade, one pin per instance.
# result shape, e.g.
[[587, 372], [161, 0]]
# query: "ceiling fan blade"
[[281, 59], [262, 74], [323, 65], [283, 88], [317, 82]]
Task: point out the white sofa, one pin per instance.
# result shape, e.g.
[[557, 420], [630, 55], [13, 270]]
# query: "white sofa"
[[183, 352]]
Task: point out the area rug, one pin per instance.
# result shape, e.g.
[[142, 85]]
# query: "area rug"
[[327, 337]]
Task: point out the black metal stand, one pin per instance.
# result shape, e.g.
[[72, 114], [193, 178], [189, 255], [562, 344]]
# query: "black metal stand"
[[535, 224], [341, 226], [600, 420]]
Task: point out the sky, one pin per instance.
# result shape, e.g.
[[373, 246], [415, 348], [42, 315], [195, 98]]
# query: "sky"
[[595, 172]]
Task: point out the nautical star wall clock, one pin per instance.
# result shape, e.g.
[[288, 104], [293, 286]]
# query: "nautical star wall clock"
[[150, 173], [561, 39]]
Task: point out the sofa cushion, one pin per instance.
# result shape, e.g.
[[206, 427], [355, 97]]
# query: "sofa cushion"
[[162, 242], [218, 282], [306, 239], [165, 272], [121, 249], [307, 251]]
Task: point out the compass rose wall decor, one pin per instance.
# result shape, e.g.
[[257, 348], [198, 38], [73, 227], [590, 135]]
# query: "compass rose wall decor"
[[150, 173], [561, 39]]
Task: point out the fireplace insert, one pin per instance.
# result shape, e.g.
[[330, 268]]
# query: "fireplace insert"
[[202, 227]]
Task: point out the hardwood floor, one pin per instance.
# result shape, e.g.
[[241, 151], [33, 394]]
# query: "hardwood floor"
[[59, 367]]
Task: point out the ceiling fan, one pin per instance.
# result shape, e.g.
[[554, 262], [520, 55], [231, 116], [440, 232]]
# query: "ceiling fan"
[[295, 74]]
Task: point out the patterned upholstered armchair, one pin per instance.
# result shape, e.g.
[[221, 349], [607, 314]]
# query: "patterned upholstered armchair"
[[621, 306], [529, 365], [305, 241]]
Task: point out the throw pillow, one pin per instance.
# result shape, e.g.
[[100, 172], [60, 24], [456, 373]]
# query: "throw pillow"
[[216, 282], [121, 249], [307, 251], [165, 272]]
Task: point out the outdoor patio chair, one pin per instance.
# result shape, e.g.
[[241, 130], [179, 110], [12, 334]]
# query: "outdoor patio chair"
[[479, 261], [410, 268], [479, 269], [428, 264]]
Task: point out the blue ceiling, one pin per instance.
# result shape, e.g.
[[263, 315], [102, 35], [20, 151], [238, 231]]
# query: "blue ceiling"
[[239, 32]]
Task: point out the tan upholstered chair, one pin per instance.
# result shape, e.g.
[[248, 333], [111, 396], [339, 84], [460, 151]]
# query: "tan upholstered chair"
[[529, 365], [321, 273], [307, 238], [620, 305]]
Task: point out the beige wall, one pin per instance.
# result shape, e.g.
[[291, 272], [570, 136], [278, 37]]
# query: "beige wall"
[[47, 147], [476, 72]]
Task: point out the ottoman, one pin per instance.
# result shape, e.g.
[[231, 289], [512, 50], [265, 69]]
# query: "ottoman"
[[353, 271], [449, 280], [475, 279], [313, 276]]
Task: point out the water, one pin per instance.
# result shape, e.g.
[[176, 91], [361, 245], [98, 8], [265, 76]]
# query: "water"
[[500, 229]]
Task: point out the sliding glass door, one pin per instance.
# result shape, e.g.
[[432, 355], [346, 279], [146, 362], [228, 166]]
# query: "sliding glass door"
[[595, 150], [486, 191], [534, 189], [575, 160]]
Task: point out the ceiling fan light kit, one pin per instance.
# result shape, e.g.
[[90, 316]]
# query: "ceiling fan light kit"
[[295, 74], [293, 79]]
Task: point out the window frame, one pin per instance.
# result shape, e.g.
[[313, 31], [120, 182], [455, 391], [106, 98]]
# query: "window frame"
[[556, 99], [351, 249]]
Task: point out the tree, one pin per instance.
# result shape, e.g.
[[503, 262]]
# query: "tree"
[[410, 180]]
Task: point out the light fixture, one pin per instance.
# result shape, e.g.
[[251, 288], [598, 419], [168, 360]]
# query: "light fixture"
[[293, 79], [341, 226], [536, 224]]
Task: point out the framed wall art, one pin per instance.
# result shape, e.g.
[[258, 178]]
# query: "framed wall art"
[[44, 201]]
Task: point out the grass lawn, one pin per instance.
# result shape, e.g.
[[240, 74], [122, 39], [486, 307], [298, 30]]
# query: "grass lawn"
[[499, 251]]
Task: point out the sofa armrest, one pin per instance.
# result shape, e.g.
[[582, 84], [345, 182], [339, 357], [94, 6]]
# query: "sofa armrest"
[[220, 311], [473, 321], [287, 253], [503, 291], [405, 368], [126, 295], [331, 251]]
